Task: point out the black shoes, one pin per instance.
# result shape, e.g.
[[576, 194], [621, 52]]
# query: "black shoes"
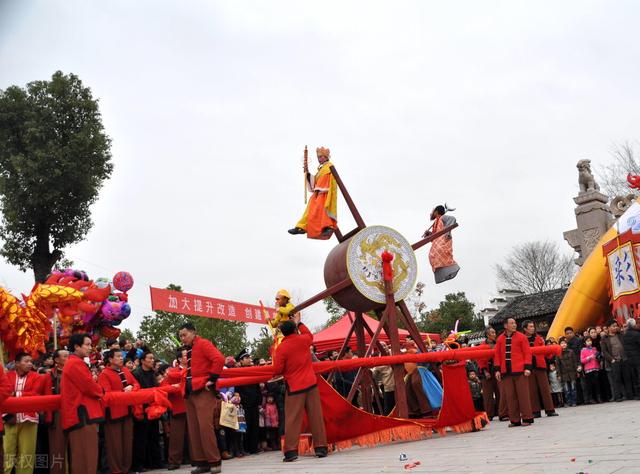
[[297, 230], [321, 452], [327, 231], [552, 413], [290, 456], [173, 467], [537, 414]]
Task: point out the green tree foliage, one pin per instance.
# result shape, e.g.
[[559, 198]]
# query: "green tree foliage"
[[443, 319], [54, 158], [160, 332], [260, 345], [127, 334], [335, 311]]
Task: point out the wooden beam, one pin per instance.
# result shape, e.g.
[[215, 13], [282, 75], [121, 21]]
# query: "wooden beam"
[[322, 295], [398, 369], [352, 207], [338, 234], [374, 341], [411, 326], [425, 241], [361, 348]]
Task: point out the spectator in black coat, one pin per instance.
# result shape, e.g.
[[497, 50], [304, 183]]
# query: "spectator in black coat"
[[631, 343]]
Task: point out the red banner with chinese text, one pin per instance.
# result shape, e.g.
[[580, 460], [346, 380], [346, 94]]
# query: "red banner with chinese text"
[[206, 307]]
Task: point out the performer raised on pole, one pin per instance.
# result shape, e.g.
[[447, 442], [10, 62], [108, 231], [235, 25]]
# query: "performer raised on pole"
[[204, 365], [118, 427], [441, 252], [294, 363], [319, 220], [81, 407]]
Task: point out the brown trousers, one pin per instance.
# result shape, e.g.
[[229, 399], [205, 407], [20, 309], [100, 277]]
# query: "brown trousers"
[[418, 404], [294, 408], [203, 446], [516, 393], [57, 450], [177, 430], [118, 439], [490, 389], [83, 449], [539, 389]]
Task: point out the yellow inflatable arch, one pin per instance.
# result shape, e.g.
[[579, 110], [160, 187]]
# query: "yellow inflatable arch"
[[586, 302]]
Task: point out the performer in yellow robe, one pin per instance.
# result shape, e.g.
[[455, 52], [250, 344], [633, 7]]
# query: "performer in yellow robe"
[[441, 252], [320, 217], [283, 308]]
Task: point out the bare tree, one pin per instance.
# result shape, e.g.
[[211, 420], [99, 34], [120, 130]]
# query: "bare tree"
[[613, 177], [536, 266]]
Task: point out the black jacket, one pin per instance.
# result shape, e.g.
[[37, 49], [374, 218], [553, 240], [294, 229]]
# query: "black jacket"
[[631, 343]]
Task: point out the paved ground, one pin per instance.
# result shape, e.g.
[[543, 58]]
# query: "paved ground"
[[593, 439]]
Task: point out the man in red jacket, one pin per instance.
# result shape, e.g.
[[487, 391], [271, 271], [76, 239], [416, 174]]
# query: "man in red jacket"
[[57, 442], [178, 420], [21, 429], [81, 407], [512, 365], [294, 363], [5, 392], [118, 426], [204, 364], [538, 381]]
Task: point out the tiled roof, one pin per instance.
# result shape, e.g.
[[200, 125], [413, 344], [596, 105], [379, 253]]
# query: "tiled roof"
[[531, 306]]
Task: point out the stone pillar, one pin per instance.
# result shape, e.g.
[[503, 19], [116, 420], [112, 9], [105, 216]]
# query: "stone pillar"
[[593, 214]]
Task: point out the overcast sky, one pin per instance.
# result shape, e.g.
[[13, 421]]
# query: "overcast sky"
[[485, 105]]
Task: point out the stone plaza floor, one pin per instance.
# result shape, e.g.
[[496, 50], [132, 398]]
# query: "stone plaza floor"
[[589, 439]]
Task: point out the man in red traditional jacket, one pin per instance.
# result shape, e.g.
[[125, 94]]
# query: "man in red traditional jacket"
[[204, 364], [21, 429], [5, 392], [57, 442], [178, 420], [118, 426], [294, 363], [538, 381], [512, 365], [493, 401], [81, 407]]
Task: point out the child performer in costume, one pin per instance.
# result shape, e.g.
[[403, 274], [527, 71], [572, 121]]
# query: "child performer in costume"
[[320, 217], [283, 308], [441, 252]]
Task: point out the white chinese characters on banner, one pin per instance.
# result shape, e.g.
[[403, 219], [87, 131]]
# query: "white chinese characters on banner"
[[623, 271]]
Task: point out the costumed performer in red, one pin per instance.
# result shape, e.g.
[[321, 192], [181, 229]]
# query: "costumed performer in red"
[[319, 220], [21, 429], [118, 427], [81, 407], [57, 442], [539, 390], [178, 417], [512, 365], [441, 252], [294, 363], [5, 392], [204, 365]]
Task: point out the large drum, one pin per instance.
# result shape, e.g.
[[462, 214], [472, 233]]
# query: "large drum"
[[359, 259]]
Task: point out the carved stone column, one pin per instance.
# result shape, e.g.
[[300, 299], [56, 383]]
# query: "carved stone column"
[[593, 215]]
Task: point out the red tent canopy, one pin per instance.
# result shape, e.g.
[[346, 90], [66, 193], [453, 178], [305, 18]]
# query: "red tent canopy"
[[332, 337]]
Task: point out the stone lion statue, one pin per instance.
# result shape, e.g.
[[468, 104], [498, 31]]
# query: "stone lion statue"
[[585, 178]]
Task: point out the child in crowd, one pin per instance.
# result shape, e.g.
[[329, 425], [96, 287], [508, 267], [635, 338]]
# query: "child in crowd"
[[238, 438], [476, 390], [589, 356], [568, 365], [555, 386], [271, 423]]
